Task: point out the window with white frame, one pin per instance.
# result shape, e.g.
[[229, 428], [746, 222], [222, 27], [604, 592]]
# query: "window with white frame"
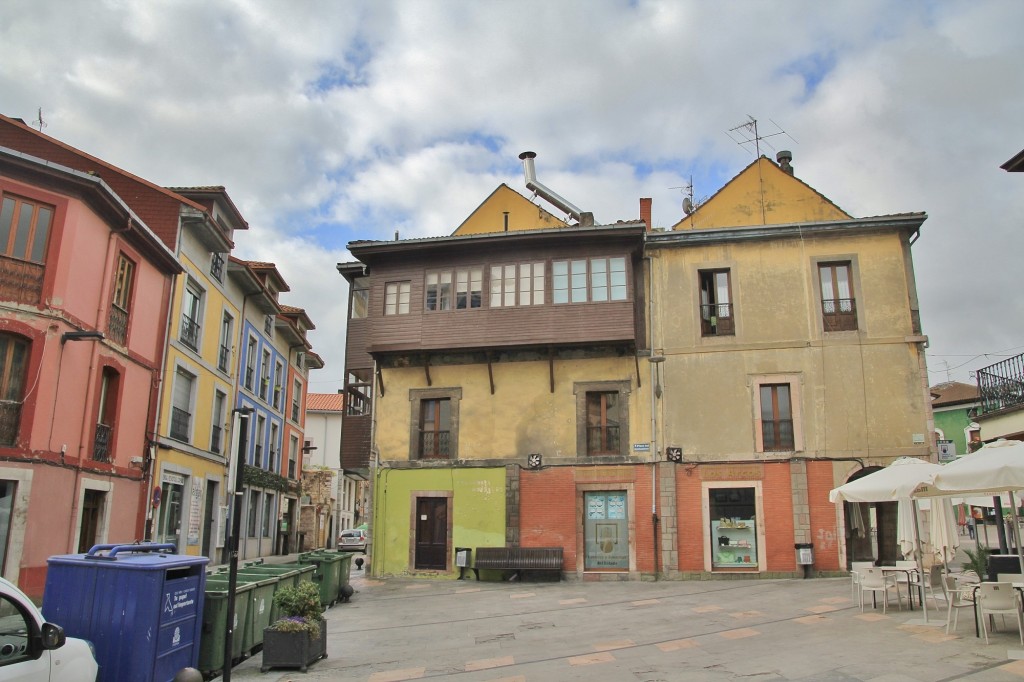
[[515, 284], [250, 363], [396, 298], [191, 315], [588, 280], [181, 405]]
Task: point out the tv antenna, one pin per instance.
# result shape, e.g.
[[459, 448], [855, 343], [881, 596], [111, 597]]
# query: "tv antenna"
[[748, 133], [689, 204], [39, 122]]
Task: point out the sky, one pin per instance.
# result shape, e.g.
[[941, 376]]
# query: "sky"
[[334, 121]]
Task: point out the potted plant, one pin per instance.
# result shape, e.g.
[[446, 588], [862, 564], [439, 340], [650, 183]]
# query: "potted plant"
[[977, 561], [299, 636]]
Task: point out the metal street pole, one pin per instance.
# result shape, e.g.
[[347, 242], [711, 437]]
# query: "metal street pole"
[[236, 527]]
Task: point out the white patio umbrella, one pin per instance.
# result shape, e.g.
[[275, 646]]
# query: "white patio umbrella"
[[893, 483], [993, 469], [939, 538]]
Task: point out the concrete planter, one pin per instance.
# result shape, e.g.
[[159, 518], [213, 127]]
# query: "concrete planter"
[[293, 649]]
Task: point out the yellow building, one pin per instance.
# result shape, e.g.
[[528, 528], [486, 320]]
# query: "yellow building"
[[794, 357], [193, 445]]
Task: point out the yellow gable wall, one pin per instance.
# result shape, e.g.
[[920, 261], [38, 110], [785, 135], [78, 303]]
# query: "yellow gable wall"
[[762, 194], [522, 214]]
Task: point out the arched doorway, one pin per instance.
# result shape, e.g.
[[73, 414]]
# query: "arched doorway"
[[871, 528]]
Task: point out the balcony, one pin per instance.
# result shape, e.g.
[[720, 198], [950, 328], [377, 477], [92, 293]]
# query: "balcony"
[[716, 319], [224, 358], [190, 332], [117, 325], [20, 281], [101, 444], [180, 423], [435, 445], [1001, 386], [839, 314]]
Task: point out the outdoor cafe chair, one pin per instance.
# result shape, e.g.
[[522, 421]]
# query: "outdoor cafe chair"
[[999, 599], [855, 568], [957, 597], [874, 580]]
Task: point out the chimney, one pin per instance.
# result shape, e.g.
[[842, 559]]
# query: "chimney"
[[539, 189], [784, 157], [645, 211]]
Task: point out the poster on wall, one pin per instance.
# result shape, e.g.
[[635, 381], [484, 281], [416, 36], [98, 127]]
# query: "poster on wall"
[[195, 510]]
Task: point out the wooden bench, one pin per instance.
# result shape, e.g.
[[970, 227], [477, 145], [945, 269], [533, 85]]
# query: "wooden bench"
[[518, 559]]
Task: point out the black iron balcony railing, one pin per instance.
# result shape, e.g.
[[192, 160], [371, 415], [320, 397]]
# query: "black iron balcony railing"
[[839, 314], [1001, 385], [101, 444], [217, 266], [250, 374], [258, 455], [603, 440], [224, 359], [20, 281], [777, 435], [295, 411], [435, 445], [215, 440], [180, 422], [10, 420], [716, 319], [117, 325], [190, 332]]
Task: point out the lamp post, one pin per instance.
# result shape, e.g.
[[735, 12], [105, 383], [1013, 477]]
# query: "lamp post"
[[243, 414]]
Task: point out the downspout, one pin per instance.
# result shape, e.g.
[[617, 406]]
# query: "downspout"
[[655, 385], [150, 463]]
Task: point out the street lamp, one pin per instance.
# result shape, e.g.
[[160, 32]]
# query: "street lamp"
[[242, 413]]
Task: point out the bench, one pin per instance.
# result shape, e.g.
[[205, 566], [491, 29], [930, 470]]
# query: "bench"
[[518, 559]]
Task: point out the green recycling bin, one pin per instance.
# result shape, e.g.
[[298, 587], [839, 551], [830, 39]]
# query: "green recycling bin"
[[346, 571], [290, 575], [215, 621], [260, 609], [327, 574]]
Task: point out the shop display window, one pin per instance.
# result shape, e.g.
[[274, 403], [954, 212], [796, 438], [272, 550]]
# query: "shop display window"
[[733, 517]]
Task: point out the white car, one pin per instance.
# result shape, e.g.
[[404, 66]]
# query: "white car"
[[353, 540], [32, 650]]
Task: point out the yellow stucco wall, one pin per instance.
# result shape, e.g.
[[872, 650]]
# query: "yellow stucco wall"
[[762, 194], [476, 507], [522, 214], [522, 417]]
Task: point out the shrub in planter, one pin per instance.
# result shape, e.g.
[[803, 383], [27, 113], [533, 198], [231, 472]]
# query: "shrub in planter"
[[299, 636]]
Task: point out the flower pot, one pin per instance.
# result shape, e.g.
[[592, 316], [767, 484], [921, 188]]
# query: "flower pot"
[[293, 649]]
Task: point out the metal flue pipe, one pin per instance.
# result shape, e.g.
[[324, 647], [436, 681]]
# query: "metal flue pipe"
[[537, 188]]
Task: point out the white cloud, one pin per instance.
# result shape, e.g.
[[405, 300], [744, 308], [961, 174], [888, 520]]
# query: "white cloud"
[[329, 122]]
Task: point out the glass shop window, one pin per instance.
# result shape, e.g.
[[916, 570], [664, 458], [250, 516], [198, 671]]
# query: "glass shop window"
[[733, 528]]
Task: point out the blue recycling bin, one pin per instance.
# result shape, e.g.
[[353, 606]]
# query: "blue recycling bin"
[[140, 605]]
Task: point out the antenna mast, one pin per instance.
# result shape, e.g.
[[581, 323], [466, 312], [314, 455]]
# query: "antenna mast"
[[747, 133], [39, 122]]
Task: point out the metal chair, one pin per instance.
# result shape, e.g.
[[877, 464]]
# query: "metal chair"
[[874, 580], [998, 599]]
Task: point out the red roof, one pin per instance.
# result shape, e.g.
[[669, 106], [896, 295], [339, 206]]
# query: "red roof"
[[324, 402]]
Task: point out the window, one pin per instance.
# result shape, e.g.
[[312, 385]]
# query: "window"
[[716, 313], [274, 449], [358, 393], [396, 298], [250, 363], [268, 511], [517, 284], [24, 227], [217, 430], [217, 266], [191, 314], [733, 533], [278, 384], [20, 639], [254, 511], [469, 288], [838, 306], [602, 418], [261, 426], [439, 290], [776, 418], [360, 298], [268, 326], [13, 366], [117, 326], [110, 384], [582, 280], [264, 374], [227, 328], [293, 456], [296, 400], [435, 423], [181, 405]]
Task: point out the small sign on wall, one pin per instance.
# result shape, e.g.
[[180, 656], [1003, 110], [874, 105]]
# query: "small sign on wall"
[[947, 451]]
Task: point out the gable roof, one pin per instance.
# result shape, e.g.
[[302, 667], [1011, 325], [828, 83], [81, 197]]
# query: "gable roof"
[[953, 393], [762, 194], [522, 214], [325, 402]]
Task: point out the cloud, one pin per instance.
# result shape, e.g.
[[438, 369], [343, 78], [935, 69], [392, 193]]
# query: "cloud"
[[330, 122]]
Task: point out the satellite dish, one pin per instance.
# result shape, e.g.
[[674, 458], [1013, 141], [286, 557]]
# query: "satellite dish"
[[687, 206]]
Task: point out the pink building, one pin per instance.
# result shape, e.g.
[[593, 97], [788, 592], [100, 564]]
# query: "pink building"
[[85, 286]]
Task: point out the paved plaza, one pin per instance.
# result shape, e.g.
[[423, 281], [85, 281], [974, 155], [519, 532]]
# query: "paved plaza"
[[760, 630]]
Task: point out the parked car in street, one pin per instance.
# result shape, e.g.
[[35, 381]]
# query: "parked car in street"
[[36, 651], [352, 540]]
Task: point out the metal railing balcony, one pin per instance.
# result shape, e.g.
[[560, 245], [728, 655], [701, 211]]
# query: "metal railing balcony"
[[1001, 385]]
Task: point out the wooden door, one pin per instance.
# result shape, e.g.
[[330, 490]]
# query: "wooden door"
[[431, 533]]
